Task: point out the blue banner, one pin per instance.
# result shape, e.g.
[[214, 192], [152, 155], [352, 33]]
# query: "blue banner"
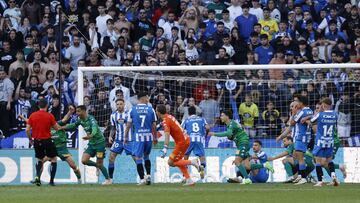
[[17, 167]]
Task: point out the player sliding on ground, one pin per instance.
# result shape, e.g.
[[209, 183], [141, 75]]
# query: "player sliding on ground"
[[182, 141], [196, 127], [59, 137], [259, 173], [118, 120], [96, 145], [237, 134]]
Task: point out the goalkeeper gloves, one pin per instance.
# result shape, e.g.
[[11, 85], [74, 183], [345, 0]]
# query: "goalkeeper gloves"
[[164, 151]]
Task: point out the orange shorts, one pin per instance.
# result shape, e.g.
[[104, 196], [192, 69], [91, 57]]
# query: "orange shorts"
[[180, 149]]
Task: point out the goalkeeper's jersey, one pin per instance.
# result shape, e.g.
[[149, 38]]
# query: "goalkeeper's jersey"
[[235, 132], [91, 127]]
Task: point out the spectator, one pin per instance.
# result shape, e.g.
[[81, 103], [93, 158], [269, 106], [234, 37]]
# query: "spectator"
[[7, 56], [76, 52], [19, 63], [102, 19], [118, 85], [22, 106], [235, 9], [183, 109], [217, 6], [265, 52], [209, 108], [160, 88], [343, 108], [102, 108], [249, 113], [325, 23], [268, 25], [245, 22], [6, 92], [256, 10], [271, 118], [32, 10]]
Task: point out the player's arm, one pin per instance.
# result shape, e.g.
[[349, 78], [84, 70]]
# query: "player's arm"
[[282, 154], [28, 131], [226, 133], [112, 133], [71, 126], [306, 118], [154, 130], [68, 114], [207, 129], [285, 133], [127, 129], [166, 144]]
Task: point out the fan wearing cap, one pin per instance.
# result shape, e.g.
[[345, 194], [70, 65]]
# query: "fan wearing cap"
[[325, 23], [269, 26], [265, 52]]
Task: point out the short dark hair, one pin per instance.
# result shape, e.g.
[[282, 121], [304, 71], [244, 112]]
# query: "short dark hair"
[[81, 107], [192, 110], [228, 112], [302, 99], [119, 100], [142, 94], [258, 141], [42, 103], [56, 96], [161, 108]]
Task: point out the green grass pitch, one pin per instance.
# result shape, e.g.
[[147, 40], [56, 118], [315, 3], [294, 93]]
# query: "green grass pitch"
[[171, 193]]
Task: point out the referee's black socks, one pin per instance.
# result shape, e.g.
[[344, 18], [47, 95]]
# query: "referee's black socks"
[[52, 171], [38, 168]]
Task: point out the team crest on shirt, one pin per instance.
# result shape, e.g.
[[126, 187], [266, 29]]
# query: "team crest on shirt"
[[121, 121]]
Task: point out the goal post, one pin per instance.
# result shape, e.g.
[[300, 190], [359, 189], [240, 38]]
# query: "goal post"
[[170, 74]]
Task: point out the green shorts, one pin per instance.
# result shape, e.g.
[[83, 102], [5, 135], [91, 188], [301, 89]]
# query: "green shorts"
[[63, 153], [335, 149], [243, 151], [97, 150], [309, 162]]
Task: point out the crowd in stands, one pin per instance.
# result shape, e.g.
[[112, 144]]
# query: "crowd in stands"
[[174, 33]]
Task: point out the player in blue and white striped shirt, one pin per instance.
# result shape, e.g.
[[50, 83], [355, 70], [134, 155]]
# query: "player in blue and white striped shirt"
[[196, 127], [302, 135], [118, 120], [324, 141], [142, 120], [259, 164]]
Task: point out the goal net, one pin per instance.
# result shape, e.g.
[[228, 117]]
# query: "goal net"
[[258, 95]]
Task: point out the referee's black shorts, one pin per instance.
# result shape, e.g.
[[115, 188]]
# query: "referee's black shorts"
[[44, 148]]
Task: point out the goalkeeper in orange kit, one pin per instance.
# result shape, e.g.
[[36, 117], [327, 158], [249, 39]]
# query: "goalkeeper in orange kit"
[[182, 141]]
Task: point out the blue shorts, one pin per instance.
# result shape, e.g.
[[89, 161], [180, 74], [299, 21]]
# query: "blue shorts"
[[261, 177], [140, 149], [300, 146], [197, 148], [322, 152], [118, 147]]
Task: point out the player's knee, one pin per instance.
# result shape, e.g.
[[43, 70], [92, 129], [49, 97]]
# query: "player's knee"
[[171, 163]]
